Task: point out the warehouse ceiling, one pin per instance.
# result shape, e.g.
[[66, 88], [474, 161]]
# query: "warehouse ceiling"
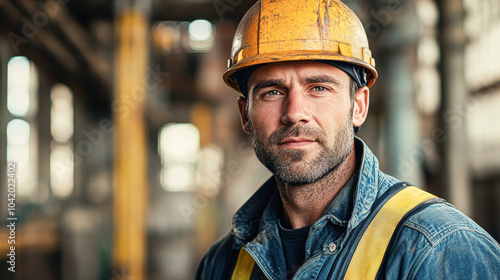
[[72, 40]]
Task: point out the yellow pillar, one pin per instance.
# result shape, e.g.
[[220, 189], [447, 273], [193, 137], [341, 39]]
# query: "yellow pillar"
[[201, 117], [130, 177]]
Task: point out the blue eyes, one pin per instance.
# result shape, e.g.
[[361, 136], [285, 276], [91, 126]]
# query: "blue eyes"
[[319, 88], [272, 92], [316, 89]]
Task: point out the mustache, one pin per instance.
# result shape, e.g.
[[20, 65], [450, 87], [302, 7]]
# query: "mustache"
[[296, 131]]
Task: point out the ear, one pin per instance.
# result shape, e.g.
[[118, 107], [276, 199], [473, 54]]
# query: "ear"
[[245, 124], [361, 103]]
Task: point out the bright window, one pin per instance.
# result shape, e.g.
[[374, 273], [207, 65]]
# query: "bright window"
[[179, 146]]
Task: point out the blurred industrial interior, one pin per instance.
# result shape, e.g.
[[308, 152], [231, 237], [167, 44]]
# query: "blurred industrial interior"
[[130, 156]]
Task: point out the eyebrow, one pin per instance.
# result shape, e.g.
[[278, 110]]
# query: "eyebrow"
[[320, 79], [267, 83]]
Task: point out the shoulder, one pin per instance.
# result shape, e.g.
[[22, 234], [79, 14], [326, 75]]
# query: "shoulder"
[[215, 260], [442, 242], [437, 222]]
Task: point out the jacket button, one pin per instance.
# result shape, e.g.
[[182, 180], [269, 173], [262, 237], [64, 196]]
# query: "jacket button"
[[332, 247]]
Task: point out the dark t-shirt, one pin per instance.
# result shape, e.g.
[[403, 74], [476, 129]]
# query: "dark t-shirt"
[[293, 241]]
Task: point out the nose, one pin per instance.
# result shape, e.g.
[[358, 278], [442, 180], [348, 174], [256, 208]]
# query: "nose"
[[296, 108]]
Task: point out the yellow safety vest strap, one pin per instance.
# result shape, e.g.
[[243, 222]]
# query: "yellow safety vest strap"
[[244, 266], [371, 248]]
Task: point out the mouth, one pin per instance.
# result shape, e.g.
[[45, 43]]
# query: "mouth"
[[296, 142]]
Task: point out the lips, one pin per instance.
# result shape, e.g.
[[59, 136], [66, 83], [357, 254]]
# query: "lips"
[[296, 142]]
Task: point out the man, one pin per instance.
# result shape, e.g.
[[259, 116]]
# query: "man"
[[304, 70]]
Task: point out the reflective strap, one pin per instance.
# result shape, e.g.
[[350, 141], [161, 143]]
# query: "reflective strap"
[[371, 248], [244, 266]]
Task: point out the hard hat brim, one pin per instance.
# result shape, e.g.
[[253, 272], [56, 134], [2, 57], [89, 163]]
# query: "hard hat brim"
[[284, 56]]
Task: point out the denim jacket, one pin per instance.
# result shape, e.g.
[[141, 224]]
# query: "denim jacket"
[[438, 242]]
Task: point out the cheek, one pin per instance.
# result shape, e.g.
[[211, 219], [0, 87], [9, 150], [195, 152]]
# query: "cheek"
[[263, 117], [259, 124], [333, 119], [333, 112]]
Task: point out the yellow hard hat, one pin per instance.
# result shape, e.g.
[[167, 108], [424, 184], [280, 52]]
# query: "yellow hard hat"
[[276, 31]]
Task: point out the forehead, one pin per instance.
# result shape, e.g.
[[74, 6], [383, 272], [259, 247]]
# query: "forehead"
[[297, 69]]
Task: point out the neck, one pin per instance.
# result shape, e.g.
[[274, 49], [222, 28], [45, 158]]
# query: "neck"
[[303, 205]]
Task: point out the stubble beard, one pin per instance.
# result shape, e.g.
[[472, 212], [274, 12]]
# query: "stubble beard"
[[291, 166]]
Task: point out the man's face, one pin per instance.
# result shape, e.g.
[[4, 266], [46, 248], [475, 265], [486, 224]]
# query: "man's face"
[[299, 115]]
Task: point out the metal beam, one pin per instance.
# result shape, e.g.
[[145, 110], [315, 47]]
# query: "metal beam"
[[71, 34], [36, 31]]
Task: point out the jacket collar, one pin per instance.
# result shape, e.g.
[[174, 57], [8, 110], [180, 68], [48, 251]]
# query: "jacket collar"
[[368, 187], [264, 206]]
